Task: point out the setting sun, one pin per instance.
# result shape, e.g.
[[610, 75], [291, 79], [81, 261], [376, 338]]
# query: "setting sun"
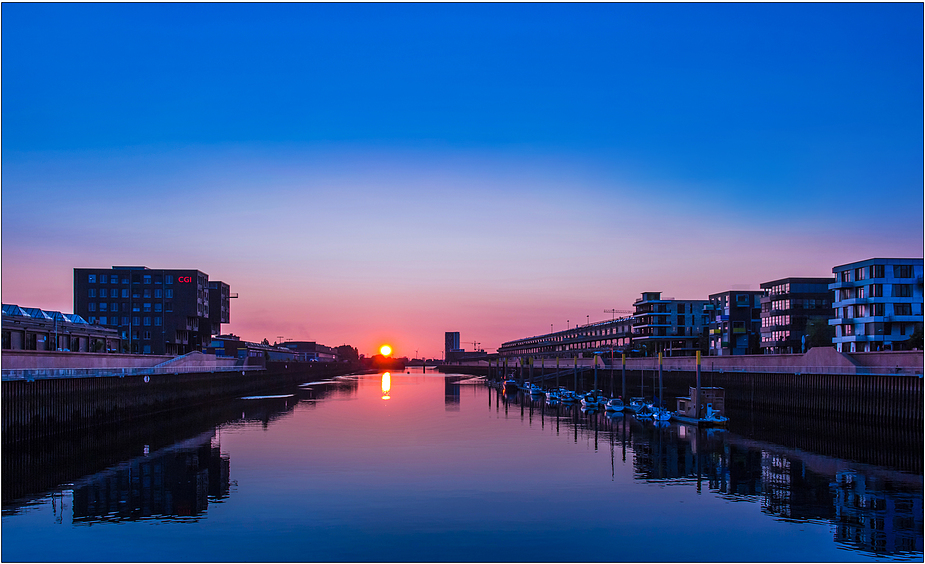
[[385, 350]]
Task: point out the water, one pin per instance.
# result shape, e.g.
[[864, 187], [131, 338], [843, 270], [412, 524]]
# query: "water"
[[417, 468]]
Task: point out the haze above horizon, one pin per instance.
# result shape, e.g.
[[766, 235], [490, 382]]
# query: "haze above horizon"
[[383, 173]]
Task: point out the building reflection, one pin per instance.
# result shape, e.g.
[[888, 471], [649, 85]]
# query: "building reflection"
[[873, 515], [177, 482], [870, 513], [879, 512]]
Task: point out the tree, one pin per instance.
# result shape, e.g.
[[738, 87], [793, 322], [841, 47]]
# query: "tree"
[[265, 342], [819, 333], [347, 353]]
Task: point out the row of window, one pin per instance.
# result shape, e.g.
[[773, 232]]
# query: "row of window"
[[876, 271], [114, 320], [876, 328], [874, 291], [136, 279], [103, 306], [146, 293], [871, 310], [775, 320]]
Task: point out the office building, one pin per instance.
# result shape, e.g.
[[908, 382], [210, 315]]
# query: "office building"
[[605, 338], [669, 326], [736, 325], [790, 308], [451, 345], [155, 311], [878, 304]]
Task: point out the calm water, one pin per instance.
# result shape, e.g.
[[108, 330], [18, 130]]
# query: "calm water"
[[435, 471]]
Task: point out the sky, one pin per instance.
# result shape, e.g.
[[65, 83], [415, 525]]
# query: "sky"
[[371, 173]]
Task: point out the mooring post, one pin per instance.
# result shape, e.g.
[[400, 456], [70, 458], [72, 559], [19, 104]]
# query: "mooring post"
[[661, 401], [697, 399], [623, 397]]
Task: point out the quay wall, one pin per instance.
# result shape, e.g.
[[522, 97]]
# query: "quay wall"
[[54, 360], [50, 406]]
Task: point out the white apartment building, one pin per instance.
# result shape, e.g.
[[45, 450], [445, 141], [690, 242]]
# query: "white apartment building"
[[877, 302]]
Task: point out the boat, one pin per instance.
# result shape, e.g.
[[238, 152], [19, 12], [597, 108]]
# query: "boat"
[[645, 411], [614, 405], [536, 390], [713, 400], [510, 385], [593, 399], [569, 396], [636, 404], [661, 414]]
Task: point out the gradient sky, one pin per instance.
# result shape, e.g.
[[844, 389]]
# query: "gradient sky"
[[363, 173]]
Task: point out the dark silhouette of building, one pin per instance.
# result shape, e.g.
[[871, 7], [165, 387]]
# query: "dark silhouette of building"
[[155, 311], [736, 327], [789, 306]]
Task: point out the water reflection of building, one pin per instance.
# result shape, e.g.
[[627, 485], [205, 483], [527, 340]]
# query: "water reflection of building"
[[176, 482], [793, 492], [873, 515], [451, 394]]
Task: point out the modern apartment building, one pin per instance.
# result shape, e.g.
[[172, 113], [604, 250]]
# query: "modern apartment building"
[[789, 308], [451, 345], [156, 311], [878, 303], [736, 326], [672, 327]]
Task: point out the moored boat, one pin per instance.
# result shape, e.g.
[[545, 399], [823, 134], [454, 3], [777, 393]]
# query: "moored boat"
[[711, 411], [614, 405]]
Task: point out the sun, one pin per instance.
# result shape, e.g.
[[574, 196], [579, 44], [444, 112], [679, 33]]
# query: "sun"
[[385, 350]]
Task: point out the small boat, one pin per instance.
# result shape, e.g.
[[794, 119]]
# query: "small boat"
[[593, 399], [661, 414], [569, 396], [637, 403], [712, 416], [645, 411], [510, 385], [536, 390], [613, 405]]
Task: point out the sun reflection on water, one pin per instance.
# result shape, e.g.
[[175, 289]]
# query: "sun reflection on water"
[[386, 385]]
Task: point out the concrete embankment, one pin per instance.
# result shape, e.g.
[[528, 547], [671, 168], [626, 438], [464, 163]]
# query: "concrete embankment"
[[50, 406]]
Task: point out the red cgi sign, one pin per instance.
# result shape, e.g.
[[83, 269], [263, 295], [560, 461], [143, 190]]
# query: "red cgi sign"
[[186, 279]]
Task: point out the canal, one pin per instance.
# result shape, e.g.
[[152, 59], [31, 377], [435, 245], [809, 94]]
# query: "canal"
[[416, 467]]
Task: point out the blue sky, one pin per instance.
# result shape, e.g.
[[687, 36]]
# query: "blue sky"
[[397, 171]]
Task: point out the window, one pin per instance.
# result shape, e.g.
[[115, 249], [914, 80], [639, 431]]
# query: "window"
[[846, 276], [876, 309], [91, 292], [136, 293], [157, 321], [876, 290], [168, 306], [147, 307], [902, 290], [876, 271], [680, 320], [125, 280], [91, 306], [902, 271], [860, 273], [115, 307], [859, 293], [168, 293], [168, 279], [158, 279], [157, 307], [148, 336], [136, 306], [104, 306], [147, 321], [103, 320], [124, 321], [91, 278], [104, 293], [147, 278], [902, 309], [681, 309], [147, 349], [114, 279], [847, 330], [147, 292], [157, 293], [136, 321]]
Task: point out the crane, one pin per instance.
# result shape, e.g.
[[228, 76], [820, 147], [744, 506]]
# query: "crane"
[[475, 344], [614, 312]]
